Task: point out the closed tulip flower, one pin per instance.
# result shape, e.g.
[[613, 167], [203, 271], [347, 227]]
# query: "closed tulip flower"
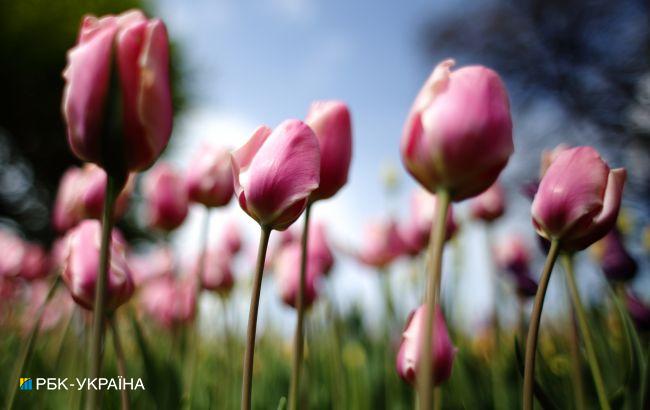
[[382, 244], [35, 263], [443, 352], [168, 301], [615, 260], [231, 238], [489, 205], [578, 199], [318, 247], [209, 177], [81, 196], [415, 233], [512, 255], [216, 274], [82, 265], [330, 121], [135, 52], [166, 198], [156, 263], [287, 275], [14, 250], [275, 172], [458, 135]]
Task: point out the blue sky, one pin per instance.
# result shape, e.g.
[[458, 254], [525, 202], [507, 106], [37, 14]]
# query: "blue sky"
[[259, 62]]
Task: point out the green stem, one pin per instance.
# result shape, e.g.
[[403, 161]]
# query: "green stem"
[[99, 311], [121, 361], [298, 341], [533, 327], [436, 245], [586, 333], [28, 346], [247, 382], [574, 347]]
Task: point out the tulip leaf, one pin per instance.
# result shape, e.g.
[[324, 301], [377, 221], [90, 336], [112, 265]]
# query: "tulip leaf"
[[538, 391]]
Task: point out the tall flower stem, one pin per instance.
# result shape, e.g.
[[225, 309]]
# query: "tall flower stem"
[[586, 333], [576, 371], [247, 382], [533, 327], [113, 188], [28, 346], [298, 342], [436, 244], [121, 361]]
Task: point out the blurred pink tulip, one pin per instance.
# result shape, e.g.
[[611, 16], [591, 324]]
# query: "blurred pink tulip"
[[153, 264], [81, 196], [170, 302], [318, 247], [231, 237], [216, 272], [209, 177], [330, 121], [57, 309], [443, 351], [415, 232], [489, 205], [82, 266], [458, 135], [134, 51], [13, 249], [578, 199], [512, 255], [382, 244], [287, 275], [275, 172], [35, 263], [614, 259], [166, 198]]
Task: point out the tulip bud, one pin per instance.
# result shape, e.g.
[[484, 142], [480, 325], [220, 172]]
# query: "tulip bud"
[[13, 248], [382, 244], [125, 57], [548, 156], [578, 199], [512, 255], [458, 135], [415, 233], [319, 248], [616, 262], [35, 263], [216, 273], [275, 172], [81, 196], [209, 178], [330, 121], [156, 263], [231, 238], [82, 266], [443, 352], [170, 302], [489, 205], [166, 198], [287, 275]]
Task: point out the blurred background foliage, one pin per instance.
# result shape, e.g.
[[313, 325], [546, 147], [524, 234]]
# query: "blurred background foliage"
[[34, 38]]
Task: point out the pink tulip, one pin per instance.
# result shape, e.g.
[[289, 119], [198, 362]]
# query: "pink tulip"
[[458, 135], [209, 177], [548, 156], [490, 204], [154, 264], [135, 52], [443, 352], [35, 263], [81, 196], [13, 249], [275, 172], [170, 302], [382, 244], [318, 247], [416, 231], [512, 255], [166, 198], [615, 260], [82, 266], [287, 275], [231, 238], [217, 272], [331, 123], [578, 199]]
